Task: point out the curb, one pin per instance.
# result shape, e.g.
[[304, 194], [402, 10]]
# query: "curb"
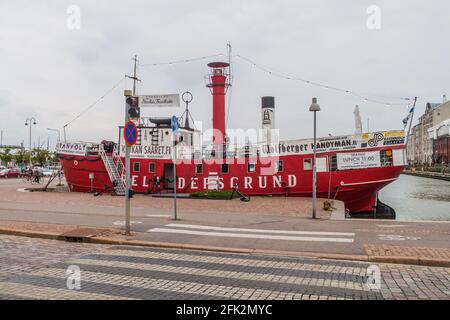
[[421, 261]]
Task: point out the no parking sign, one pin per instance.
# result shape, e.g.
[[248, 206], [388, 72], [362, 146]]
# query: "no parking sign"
[[130, 133]]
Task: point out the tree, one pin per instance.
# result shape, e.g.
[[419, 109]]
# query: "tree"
[[40, 156], [6, 156], [22, 157]]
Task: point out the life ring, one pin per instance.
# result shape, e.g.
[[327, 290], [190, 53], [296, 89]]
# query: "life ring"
[[75, 162]]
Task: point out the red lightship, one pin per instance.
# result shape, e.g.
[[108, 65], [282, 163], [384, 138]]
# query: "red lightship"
[[350, 168]]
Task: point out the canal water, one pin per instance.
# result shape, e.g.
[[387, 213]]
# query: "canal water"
[[417, 198]]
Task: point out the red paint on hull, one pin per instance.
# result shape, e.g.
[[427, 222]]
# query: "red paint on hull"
[[357, 188]]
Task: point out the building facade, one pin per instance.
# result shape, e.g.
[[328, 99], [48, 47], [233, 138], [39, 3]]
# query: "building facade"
[[421, 139]]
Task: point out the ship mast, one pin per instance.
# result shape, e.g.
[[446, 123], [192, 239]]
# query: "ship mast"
[[134, 77]]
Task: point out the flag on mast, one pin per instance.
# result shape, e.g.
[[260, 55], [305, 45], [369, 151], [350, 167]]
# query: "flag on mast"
[[411, 111]]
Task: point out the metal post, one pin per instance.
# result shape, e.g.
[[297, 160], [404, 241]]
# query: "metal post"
[[127, 179], [175, 180], [128, 93], [30, 145], [30, 122], [314, 108], [314, 170], [65, 132]]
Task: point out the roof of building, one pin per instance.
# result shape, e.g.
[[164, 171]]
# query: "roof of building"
[[433, 106]]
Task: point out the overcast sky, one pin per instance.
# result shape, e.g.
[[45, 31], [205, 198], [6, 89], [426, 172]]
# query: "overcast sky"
[[51, 72]]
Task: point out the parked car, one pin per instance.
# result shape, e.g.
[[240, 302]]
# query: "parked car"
[[44, 172], [10, 173]]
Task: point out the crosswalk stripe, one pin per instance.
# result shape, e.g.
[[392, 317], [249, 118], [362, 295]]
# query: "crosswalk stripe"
[[186, 272], [202, 227], [250, 236], [151, 283], [307, 265], [29, 291]]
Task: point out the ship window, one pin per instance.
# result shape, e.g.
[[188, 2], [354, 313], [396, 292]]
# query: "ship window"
[[151, 167], [136, 166], [224, 168], [307, 164], [199, 168], [279, 166], [251, 167], [333, 163], [386, 158]]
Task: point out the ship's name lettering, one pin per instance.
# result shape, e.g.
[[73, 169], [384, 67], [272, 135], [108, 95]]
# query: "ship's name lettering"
[[246, 183]]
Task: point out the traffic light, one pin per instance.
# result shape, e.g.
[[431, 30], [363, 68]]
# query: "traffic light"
[[133, 107]]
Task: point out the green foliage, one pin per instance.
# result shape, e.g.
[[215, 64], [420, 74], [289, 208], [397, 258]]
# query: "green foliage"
[[39, 157], [6, 157], [22, 157]]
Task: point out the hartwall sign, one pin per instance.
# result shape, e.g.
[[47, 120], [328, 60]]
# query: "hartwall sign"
[[160, 100]]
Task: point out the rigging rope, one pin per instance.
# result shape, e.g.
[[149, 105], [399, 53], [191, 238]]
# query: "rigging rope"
[[97, 101], [181, 61], [286, 76]]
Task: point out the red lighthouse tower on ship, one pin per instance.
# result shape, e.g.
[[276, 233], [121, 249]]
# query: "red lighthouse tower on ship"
[[219, 85]]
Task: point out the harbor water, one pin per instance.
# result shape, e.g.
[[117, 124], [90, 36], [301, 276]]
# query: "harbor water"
[[418, 198]]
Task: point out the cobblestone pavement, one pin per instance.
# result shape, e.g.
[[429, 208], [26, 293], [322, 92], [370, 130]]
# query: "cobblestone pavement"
[[36, 269]]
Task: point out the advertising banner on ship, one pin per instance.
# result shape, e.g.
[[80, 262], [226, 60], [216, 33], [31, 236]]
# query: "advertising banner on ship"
[[160, 100], [386, 138], [306, 146], [73, 148], [148, 152], [358, 160]]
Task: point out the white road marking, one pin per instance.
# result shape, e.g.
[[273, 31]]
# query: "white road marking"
[[250, 236], [391, 225], [122, 223], [158, 215], [393, 237], [201, 227]]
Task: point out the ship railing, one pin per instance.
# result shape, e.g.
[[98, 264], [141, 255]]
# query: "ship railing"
[[118, 161], [104, 156]]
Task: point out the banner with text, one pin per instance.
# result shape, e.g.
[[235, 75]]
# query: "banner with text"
[[358, 160], [160, 100]]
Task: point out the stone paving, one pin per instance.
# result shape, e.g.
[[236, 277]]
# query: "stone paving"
[[37, 269], [281, 206], [389, 250]]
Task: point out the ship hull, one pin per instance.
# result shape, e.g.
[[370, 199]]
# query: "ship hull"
[[358, 189]]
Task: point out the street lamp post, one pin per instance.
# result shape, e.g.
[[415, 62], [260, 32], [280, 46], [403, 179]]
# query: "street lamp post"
[[64, 128], [56, 130], [30, 122], [314, 108], [59, 169]]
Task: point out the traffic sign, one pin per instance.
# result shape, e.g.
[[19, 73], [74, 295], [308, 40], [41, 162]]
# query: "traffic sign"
[[130, 133], [174, 124]]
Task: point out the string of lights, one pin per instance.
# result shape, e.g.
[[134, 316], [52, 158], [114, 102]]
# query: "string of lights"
[[180, 61], [95, 103], [286, 76]]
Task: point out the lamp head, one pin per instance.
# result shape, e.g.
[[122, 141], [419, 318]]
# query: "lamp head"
[[314, 105]]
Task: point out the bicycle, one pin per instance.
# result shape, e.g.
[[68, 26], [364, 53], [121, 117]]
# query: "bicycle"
[[26, 177], [37, 179]]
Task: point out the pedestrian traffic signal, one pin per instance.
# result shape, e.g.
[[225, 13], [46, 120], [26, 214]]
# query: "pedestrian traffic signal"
[[133, 107]]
